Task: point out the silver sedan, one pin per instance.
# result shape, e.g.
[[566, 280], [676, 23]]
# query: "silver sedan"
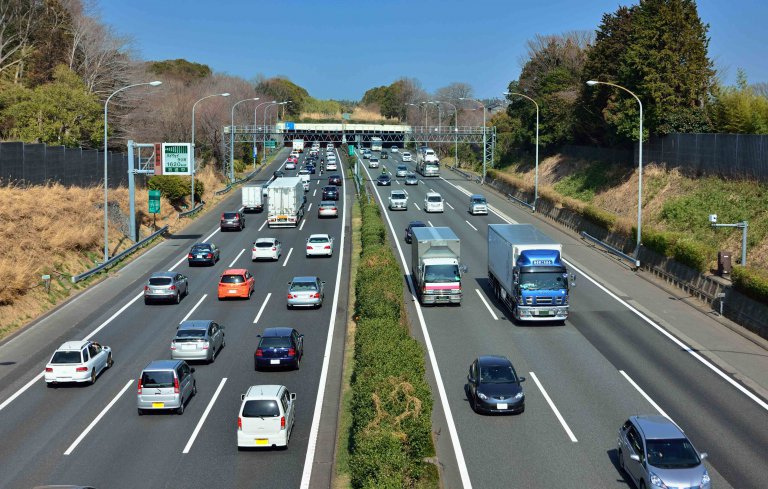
[[166, 286], [305, 292]]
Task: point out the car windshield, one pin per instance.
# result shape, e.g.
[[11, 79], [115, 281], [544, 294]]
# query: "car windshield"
[[230, 215], [497, 374], [303, 286], [275, 342], [232, 279], [398, 195], [261, 409], [478, 200], [542, 281], [66, 357], [191, 333], [402, 167], [676, 453], [319, 239], [434, 198], [160, 281], [441, 273], [160, 378], [384, 177]]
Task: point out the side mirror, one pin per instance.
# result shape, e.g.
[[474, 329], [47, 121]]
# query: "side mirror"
[[573, 280], [470, 380], [703, 455], [293, 396], [258, 336], [635, 457], [192, 369], [464, 268], [521, 379], [323, 282], [242, 397]]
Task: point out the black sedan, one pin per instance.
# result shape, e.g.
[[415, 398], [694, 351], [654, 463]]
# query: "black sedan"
[[203, 253], [384, 180], [384, 155], [494, 387], [330, 193], [409, 229], [334, 180], [310, 168]]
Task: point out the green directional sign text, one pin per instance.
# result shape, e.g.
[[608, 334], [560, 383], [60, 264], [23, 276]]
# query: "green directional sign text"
[[177, 159], [154, 201]]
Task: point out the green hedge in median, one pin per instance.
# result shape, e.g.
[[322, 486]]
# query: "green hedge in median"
[[391, 405]]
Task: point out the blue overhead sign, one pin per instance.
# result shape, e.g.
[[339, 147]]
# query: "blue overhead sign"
[[289, 126]]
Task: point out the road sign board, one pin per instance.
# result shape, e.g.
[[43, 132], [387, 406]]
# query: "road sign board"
[[154, 201], [351, 149], [271, 143], [177, 159]]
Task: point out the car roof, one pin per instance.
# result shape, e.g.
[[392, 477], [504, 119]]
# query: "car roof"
[[491, 360], [73, 345], [385, 175], [195, 324], [304, 279], [262, 391], [163, 274], [432, 194], [476, 196], [162, 365], [329, 187], [655, 426], [235, 271], [277, 332], [416, 223]]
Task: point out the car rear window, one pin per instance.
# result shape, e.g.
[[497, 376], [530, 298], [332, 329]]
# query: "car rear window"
[[191, 333], [264, 244], [318, 240], [66, 357], [200, 248], [232, 279], [230, 215], [261, 409], [275, 342], [157, 378], [434, 198], [160, 281], [302, 286], [327, 204], [402, 167]]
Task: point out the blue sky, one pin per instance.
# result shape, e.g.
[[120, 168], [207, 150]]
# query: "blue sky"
[[339, 49]]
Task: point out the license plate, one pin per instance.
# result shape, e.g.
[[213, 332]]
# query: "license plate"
[[502, 405], [187, 347], [158, 404], [545, 312], [282, 218], [233, 291], [200, 256], [274, 362], [262, 441]]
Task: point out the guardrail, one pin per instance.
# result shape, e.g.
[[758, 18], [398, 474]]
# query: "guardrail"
[[236, 182], [615, 251], [521, 202], [107, 264], [191, 211], [466, 175]]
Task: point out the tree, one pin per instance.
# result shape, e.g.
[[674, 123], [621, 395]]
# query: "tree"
[[19, 20], [181, 69], [740, 109], [281, 89]]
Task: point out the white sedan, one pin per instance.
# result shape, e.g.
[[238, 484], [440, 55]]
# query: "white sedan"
[[266, 249], [77, 361], [319, 245], [331, 165]]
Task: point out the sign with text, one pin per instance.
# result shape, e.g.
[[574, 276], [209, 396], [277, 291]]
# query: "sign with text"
[[158, 158], [177, 159], [154, 201]]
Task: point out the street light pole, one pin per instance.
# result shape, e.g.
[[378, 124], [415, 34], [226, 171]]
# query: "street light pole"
[[106, 162], [194, 163], [592, 83], [264, 144], [485, 139], [536, 175], [264, 123], [455, 132], [232, 139]]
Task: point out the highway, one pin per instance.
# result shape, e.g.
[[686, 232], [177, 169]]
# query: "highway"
[[92, 435], [584, 379]]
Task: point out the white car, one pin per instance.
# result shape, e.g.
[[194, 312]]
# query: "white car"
[[331, 165], [266, 417], [319, 245], [290, 165], [304, 175], [294, 154], [373, 163], [393, 149], [433, 202], [398, 199], [407, 156], [77, 361], [266, 249]]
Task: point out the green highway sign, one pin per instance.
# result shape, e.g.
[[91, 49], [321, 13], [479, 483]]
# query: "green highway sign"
[[351, 149], [154, 201], [177, 159], [271, 143]]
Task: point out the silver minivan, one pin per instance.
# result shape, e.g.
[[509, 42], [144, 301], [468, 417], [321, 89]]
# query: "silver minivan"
[[198, 339], [478, 204], [165, 384]]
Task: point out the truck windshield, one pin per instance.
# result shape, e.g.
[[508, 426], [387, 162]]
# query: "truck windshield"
[[543, 281], [441, 273]]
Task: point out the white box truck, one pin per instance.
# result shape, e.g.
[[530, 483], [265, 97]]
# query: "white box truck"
[[253, 198], [298, 145], [527, 273], [285, 202], [436, 265]]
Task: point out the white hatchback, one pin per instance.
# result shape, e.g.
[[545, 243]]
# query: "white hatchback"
[[266, 417], [266, 249], [433, 202], [77, 361], [319, 245], [331, 165]]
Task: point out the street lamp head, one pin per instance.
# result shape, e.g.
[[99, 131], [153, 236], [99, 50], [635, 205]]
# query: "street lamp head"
[[155, 83], [592, 83]]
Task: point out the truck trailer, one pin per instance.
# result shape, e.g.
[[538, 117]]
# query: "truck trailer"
[[526, 272], [285, 202], [253, 200], [436, 265]]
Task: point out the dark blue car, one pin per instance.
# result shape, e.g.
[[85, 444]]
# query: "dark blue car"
[[279, 347], [493, 386], [310, 168]]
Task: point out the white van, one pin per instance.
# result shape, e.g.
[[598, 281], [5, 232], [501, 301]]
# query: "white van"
[[433, 202], [304, 175], [266, 417], [407, 156]]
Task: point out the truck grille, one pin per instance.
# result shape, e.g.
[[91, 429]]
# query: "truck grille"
[[545, 301]]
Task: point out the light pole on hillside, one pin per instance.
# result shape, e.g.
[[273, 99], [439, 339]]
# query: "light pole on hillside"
[[264, 144], [194, 164], [455, 132], [592, 83], [106, 162], [264, 124], [232, 139], [536, 174], [485, 141]]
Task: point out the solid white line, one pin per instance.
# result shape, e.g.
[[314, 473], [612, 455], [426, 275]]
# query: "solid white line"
[[301, 226], [642, 393], [554, 408], [22, 390], [193, 308], [98, 418], [178, 263], [310, 207], [463, 471], [211, 235], [236, 258], [416, 205], [261, 309], [430, 224], [312, 442], [288, 256], [449, 205], [470, 225], [486, 304], [262, 225], [204, 416]]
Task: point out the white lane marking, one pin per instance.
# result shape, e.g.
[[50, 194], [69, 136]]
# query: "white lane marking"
[[288, 256], [646, 396], [757, 400], [314, 192], [495, 317], [312, 442], [22, 390], [430, 224], [193, 308], [240, 209], [430, 189], [262, 225], [211, 235], [178, 263], [449, 205], [470, 225], [261, 309], [454, 434], [554, 408], [204, 416], [236, 258], [416, 205], [301, 226], [98, 418], [310, 207]]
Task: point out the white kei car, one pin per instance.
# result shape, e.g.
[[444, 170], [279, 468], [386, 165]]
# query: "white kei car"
[[266, 417], [77, 361], [319, 245], [266, 249]]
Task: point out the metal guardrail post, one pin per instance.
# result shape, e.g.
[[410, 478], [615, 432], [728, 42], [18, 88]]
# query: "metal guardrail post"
[[521, 202], [192, 211], [611, 249]]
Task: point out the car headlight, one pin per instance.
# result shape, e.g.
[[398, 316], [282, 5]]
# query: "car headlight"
[[656, 481], [482, 396], [705, 478], [519, 395]]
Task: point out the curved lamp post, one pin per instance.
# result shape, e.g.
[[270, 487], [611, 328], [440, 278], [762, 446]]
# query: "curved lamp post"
[[232, 139], [264, 144], [485, 142], [455, 132], [106, 159], [194, 165], [536, 175], [264, 124]]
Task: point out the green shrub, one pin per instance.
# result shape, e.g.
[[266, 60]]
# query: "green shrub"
[[600, 217], [585, 183], [692, 253], [751, 283], [659, 241], [379, 461], [175, 188]]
